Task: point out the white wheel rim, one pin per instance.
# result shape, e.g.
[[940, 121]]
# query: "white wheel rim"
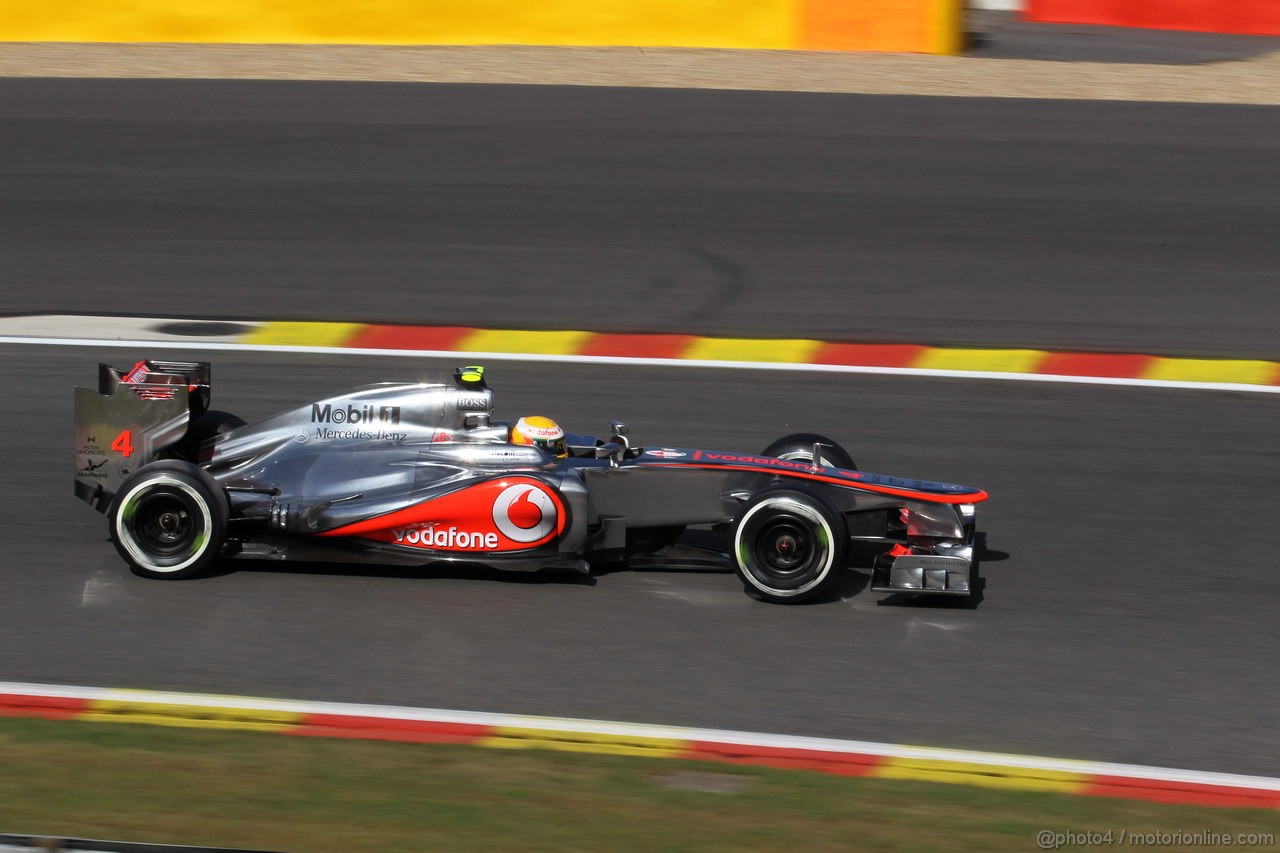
[[126, 535], [800, 509]]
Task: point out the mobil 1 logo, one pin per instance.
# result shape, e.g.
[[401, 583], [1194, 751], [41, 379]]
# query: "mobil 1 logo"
[[366, 414]]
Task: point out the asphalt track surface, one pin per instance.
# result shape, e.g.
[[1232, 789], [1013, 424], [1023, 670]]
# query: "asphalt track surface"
[[1129, 612], [1058, 225], [1129, 609]]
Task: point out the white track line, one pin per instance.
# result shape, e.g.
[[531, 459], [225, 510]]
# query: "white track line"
[[196, 344], [568, 725]]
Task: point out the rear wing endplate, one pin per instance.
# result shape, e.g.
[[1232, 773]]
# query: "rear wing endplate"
[[130, 419]]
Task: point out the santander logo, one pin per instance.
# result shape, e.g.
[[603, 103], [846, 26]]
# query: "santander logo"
[[525, 513], [513, 513]]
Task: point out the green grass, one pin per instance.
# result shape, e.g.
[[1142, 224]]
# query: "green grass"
[[266, 791]]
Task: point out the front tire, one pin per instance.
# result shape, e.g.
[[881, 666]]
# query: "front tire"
[[169, 520], [798, 447], [789, 545]]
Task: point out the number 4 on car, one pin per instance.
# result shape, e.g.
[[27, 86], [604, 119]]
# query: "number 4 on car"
[[124, 443]]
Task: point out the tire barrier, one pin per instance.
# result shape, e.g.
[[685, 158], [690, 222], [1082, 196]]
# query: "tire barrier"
[[914, 26]]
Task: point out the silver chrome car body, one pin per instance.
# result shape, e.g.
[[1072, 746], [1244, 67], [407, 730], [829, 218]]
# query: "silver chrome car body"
[[415, 473]]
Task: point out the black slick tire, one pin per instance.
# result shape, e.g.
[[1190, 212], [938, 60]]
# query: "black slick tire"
[[798, 447], [789, 545], [209, 425], [169, 520]]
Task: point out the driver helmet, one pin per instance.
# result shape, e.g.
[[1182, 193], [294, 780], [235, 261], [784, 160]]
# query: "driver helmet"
[[540, 432]]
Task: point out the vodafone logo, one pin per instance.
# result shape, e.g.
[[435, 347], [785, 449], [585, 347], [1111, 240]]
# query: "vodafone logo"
[[525, 513], [452, 539], [505, 514]]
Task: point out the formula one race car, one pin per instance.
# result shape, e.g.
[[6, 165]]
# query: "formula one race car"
[[419, 474]]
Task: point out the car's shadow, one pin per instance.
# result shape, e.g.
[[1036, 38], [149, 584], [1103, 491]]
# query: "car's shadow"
[[440, 571], [851, 583]]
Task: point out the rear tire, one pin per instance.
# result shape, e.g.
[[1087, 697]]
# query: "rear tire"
[[798, 447], [210, 424], [169, 520], [789, 545]]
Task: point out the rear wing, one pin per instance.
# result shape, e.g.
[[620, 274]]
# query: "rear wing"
[[130, 419]]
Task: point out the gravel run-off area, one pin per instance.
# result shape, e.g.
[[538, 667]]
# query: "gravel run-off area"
[[1254, 80]]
